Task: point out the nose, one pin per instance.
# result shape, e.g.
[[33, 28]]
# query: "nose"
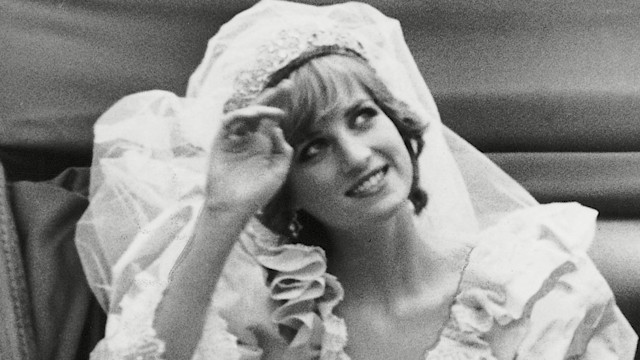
[[355, 153]]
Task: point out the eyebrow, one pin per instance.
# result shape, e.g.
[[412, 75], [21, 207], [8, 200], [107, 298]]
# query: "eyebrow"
[[355, 107], [351, 110]]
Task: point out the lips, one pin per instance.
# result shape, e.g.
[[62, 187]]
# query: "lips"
[[369, 184]]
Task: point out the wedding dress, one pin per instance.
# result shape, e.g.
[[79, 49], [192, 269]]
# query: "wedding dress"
[[528, 290]]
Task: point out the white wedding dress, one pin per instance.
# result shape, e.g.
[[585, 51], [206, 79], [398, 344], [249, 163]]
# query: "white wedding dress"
[[528, 290]]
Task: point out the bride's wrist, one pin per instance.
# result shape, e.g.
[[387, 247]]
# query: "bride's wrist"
[[224, 208]]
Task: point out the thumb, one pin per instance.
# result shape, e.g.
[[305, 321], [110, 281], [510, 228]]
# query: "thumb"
[[279, 144]]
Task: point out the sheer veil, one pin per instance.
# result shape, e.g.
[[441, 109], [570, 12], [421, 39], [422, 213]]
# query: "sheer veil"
[[151, 148]]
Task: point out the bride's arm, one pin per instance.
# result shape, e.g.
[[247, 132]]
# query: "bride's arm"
[[181, 314], [249, 163]]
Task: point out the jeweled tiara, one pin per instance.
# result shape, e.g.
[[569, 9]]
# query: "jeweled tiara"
[[289, 50]]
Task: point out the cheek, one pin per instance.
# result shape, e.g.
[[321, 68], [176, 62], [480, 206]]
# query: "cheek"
[[393, 145], [404, 157]]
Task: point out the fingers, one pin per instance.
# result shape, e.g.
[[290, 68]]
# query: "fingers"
[[278, 96], [278, 143], [256, 128], [254, 131], [273, 103], [247, 120]]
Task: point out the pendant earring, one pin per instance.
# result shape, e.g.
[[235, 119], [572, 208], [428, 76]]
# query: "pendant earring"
[[294, 226]]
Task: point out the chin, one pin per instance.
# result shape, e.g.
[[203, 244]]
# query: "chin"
[[387, 209], [396, 208], [365, 213]]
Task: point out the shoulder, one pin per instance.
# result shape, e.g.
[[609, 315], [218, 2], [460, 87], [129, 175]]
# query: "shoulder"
[[523, 255], [531, 291]]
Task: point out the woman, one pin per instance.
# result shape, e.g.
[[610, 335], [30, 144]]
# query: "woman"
[[321, 119]]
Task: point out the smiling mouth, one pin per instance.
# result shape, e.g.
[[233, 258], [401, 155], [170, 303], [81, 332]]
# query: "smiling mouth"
[[370, 184]]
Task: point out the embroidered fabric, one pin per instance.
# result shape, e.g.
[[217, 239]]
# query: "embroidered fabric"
[[530, 292], [219, 344], [130, 334]]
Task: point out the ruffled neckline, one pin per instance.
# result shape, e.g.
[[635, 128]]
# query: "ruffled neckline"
[[306, 294]]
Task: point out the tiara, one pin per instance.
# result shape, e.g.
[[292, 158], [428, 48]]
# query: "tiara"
[[289, 50]]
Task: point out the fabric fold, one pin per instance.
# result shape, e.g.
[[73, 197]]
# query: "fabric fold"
[[305, 293], [530, 291]]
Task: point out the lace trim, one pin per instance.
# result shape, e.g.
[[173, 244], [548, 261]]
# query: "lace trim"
[[307, 295], [219, 344], [334, 339], [514, 264], [130, 334], [450, 349]]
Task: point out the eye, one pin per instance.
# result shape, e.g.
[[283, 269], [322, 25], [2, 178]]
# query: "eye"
[[364, 117], [312, 150]]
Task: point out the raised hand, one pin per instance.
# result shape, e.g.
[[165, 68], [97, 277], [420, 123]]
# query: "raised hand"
[[249, 162], [249, 158]]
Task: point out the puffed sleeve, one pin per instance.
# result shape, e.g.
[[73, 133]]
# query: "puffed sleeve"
[[148, 173], [130, 333], [530, 292], [251, 316]]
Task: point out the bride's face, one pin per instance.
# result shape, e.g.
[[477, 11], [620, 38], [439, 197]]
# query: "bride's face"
[[352, 167]]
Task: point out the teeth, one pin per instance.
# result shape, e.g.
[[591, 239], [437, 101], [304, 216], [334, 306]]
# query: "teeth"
[[370, 183]]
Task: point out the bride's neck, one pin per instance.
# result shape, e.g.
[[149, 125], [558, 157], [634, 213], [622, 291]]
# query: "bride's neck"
[[383, 261]]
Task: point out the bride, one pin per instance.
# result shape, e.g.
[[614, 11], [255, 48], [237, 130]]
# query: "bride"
[[304, 201]]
